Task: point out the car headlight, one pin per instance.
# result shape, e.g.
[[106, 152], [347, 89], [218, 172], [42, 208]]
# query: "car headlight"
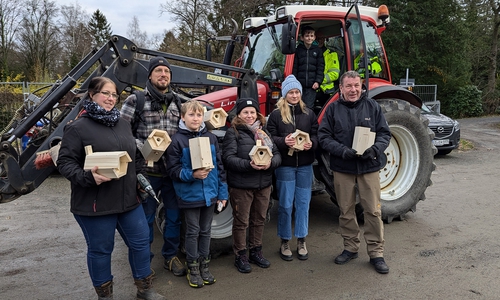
[[456, 125]]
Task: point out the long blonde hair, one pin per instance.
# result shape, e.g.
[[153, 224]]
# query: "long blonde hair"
[[284, 109]]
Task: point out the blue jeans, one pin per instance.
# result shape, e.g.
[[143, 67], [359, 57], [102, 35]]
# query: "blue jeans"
[[99, 232], [294, 190], [172, 230], [198, 230]]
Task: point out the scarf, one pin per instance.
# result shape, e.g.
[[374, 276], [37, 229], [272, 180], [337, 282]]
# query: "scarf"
[[260, 134], [157, 98], [100, 115]]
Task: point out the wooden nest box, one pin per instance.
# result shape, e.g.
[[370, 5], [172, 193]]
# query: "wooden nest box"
[[155, 145], [363, 139], [300, 138], [201, 153], [215, 118], [112, 164], [261, 155]]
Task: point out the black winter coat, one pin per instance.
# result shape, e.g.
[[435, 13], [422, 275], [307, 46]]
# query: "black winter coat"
[[306, 122], [309, 65], [235, 156], [88, 198], [336, 133]]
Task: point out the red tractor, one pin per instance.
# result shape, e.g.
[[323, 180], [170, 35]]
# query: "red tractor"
[[267, 57]]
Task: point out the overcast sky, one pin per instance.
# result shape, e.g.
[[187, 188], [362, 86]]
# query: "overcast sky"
[[119, 14]]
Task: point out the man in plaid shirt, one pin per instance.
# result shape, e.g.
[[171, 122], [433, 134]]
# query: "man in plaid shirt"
[[161, 111]]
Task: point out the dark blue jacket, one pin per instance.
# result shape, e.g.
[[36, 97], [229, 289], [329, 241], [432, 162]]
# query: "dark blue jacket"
[[336, 133], [192, 192], [309, 65]]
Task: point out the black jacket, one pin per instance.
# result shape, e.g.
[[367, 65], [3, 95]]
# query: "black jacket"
[[309, 65], [235, 155], [336, 133], [88, 198], [279, 130]]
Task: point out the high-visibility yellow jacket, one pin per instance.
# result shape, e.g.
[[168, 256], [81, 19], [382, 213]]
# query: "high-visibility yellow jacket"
[[374, 66], [332, 70]]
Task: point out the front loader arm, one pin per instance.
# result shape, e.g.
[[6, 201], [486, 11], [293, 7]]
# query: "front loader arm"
[[121, 61]]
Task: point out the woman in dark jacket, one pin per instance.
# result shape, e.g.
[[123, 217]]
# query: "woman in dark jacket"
[[102, 205], [295, 175], [249, 183]]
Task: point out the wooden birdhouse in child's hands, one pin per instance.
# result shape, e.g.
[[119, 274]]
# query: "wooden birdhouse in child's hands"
[[201, 153], [261, 155], [154, 146]]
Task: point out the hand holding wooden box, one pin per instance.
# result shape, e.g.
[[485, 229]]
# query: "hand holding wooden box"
[[155, 145], [112, 164], [201, 154], [300, 138], [363, 139], [261, 155]]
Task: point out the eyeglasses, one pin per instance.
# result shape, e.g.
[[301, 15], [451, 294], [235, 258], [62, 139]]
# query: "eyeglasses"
[[109, 94]]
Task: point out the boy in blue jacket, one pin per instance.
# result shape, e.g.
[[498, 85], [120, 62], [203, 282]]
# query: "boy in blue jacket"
[[197, 191]]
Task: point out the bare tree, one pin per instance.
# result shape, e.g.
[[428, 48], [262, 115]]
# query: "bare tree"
[[38, 41], [76, 39], [194, 28], [10, 16], [134, 33]]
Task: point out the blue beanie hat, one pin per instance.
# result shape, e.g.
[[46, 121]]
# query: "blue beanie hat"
[[290, 83]]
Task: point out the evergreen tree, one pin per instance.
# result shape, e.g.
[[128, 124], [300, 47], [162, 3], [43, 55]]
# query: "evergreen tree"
[[99, 28]]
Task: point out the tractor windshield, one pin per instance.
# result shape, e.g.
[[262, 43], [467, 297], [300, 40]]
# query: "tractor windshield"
[[263, 51], [377, 64]]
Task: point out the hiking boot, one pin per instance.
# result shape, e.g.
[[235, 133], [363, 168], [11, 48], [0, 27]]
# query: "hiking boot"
[[207, 277], [175, 266], [104, 291], [380, 265], [285, 252], [301, 249], [241, 262], [257, 258], [193, 274], [145, 290], [345, 257]]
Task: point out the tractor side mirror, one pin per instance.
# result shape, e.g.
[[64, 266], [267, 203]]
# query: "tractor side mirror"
[[288, 34]]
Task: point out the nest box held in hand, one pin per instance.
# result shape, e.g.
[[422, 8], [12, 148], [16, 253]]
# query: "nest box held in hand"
[[112, 164], [201, 154], [261, 155], [301, 138], [363, 139], [215, 118], [154, 146]]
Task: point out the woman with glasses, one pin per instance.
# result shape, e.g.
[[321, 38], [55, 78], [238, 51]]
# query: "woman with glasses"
[[102, 205]]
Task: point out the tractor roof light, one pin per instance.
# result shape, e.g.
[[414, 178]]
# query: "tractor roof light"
[[280, 13], [383, 13]]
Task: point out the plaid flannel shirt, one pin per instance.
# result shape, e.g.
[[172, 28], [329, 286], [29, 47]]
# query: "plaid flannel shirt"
[[168, 121]]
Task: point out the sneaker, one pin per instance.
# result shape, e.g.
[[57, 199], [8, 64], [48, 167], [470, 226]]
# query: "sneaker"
[[193, 274], [345, 257], [175, 266], [302, 250], [380, 265], [257, 258], [285, 252], [241, 262]]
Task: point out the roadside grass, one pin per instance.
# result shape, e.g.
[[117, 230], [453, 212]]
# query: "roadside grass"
[[465, 145]]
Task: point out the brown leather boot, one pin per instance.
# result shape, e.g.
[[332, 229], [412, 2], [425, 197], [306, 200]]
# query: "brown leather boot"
[[145, 290], [104, 291]]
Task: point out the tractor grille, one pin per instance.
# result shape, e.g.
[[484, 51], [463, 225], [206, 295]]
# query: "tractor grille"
[[442, 131]]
